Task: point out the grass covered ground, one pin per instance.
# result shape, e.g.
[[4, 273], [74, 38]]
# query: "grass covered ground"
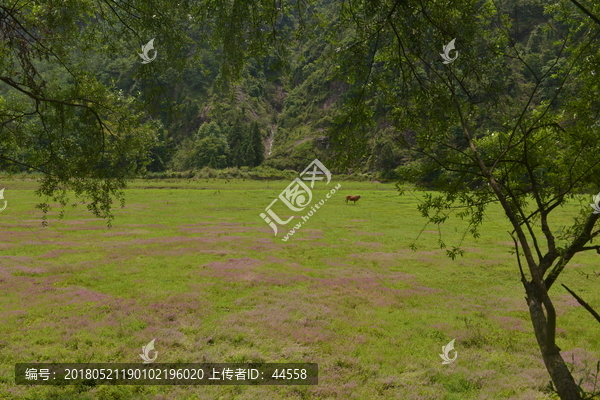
[[192, 264]]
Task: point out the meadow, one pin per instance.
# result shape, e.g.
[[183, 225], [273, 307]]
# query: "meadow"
[[191, 263]]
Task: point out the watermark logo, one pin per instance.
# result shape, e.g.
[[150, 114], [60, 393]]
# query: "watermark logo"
[[595, 205], [446, 54], [145, 49], [146, 355], [2, 198], [297, 196], [447, 349]]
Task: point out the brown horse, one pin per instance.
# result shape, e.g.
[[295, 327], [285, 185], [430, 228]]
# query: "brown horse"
[[352, 198]]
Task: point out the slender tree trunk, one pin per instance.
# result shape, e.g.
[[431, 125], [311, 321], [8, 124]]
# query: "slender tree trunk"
[[560, 374], [544, 324]]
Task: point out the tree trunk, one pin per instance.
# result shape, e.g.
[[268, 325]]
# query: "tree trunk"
[[560, 374]]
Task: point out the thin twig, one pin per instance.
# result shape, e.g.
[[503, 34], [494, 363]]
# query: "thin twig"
[[583, 303]]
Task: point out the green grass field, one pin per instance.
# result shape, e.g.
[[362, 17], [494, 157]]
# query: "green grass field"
[[192, 264]]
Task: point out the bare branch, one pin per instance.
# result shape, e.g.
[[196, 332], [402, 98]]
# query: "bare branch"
[[586, 12], [583, 303]]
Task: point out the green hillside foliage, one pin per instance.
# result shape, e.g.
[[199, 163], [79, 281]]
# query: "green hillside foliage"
[[279, 110]]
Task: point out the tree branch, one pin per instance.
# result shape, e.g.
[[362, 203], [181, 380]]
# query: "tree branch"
[[574, 248], [586, 12], [583, 303]]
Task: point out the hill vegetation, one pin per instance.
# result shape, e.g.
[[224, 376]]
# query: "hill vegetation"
[[279, 111]]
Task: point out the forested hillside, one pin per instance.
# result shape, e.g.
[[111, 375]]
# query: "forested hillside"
[[275, 114], [280, 111], [293, 99]]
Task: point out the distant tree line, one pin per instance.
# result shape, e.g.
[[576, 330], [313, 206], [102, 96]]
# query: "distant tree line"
[[215, 145]]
